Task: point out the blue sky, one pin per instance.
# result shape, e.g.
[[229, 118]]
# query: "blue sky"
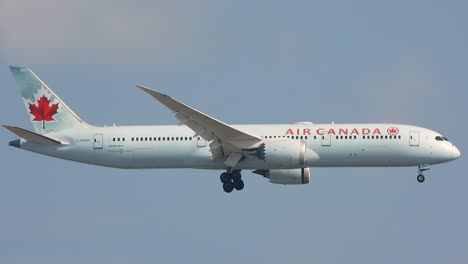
[[242, 62]]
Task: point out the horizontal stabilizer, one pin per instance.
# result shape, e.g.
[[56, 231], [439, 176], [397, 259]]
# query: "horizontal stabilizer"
[[31, 136]]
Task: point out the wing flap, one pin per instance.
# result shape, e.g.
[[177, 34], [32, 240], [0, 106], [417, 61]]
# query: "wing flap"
[[233, 159], [31, 136]]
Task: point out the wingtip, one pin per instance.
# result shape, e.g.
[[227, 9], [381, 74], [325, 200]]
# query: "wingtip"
[[140, 86], [144, 88], [17, 68], [149, 90]]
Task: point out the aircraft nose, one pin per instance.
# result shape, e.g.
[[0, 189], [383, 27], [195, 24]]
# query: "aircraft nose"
[[455, 152]]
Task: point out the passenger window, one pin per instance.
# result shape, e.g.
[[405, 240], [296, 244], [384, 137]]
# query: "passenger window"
[[315, 137], [337, 137], [113, 139], [399, 137]]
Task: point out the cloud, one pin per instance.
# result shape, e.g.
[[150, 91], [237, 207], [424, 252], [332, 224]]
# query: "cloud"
[[109, 31]]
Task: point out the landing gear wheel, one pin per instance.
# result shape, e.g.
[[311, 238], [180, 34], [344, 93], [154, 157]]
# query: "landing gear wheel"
[[225, 177], [228, 187], [236, 176], [239, 185], [420, 178]]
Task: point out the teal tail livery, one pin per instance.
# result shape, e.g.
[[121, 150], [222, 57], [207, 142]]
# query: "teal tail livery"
[[282, 153], [47, 111]]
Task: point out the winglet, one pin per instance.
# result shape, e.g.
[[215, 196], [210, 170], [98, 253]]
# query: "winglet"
[[31, 136]]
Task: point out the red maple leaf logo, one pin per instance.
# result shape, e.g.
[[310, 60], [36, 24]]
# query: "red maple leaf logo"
[[44, 111], [393, 131]]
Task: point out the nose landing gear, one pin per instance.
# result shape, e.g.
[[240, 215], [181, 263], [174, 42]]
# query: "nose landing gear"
[[420, 178], [421, 169], [232, 180]]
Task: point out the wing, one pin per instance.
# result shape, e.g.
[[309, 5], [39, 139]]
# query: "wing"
[[202, 124], [226, 139]]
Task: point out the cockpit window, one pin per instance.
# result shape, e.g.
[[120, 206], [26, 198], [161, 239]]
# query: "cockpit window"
[[439, 138]]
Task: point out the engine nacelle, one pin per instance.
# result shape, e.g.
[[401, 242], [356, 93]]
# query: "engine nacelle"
[[290, 176], [283, 153]]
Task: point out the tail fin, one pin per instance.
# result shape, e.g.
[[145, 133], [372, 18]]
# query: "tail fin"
[[47, 111]]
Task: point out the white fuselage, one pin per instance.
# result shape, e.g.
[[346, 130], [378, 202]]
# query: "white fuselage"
[[337, 145]]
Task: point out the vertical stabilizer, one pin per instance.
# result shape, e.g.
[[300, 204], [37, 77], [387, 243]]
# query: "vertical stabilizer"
[[47, 111]]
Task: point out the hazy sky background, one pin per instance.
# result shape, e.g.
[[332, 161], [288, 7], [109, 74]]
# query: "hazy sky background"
[[242, 62]]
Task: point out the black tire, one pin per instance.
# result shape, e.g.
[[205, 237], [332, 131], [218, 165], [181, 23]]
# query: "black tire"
[[225, 177], [239, 185], [420, 178], [228, 187], [236, 176]]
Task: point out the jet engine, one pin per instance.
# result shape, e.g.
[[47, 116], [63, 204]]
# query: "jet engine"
[[282, 153], [291, 176]]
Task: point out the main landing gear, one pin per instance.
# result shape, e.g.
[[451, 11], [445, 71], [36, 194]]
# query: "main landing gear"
[[232, 180], [421, 169]]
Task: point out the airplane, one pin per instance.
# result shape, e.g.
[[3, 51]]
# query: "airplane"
[[283, 153]]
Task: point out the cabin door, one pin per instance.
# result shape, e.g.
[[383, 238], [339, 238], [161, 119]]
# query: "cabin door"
[[326, 140], [201, 142], [97, 141], [414, 138]]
